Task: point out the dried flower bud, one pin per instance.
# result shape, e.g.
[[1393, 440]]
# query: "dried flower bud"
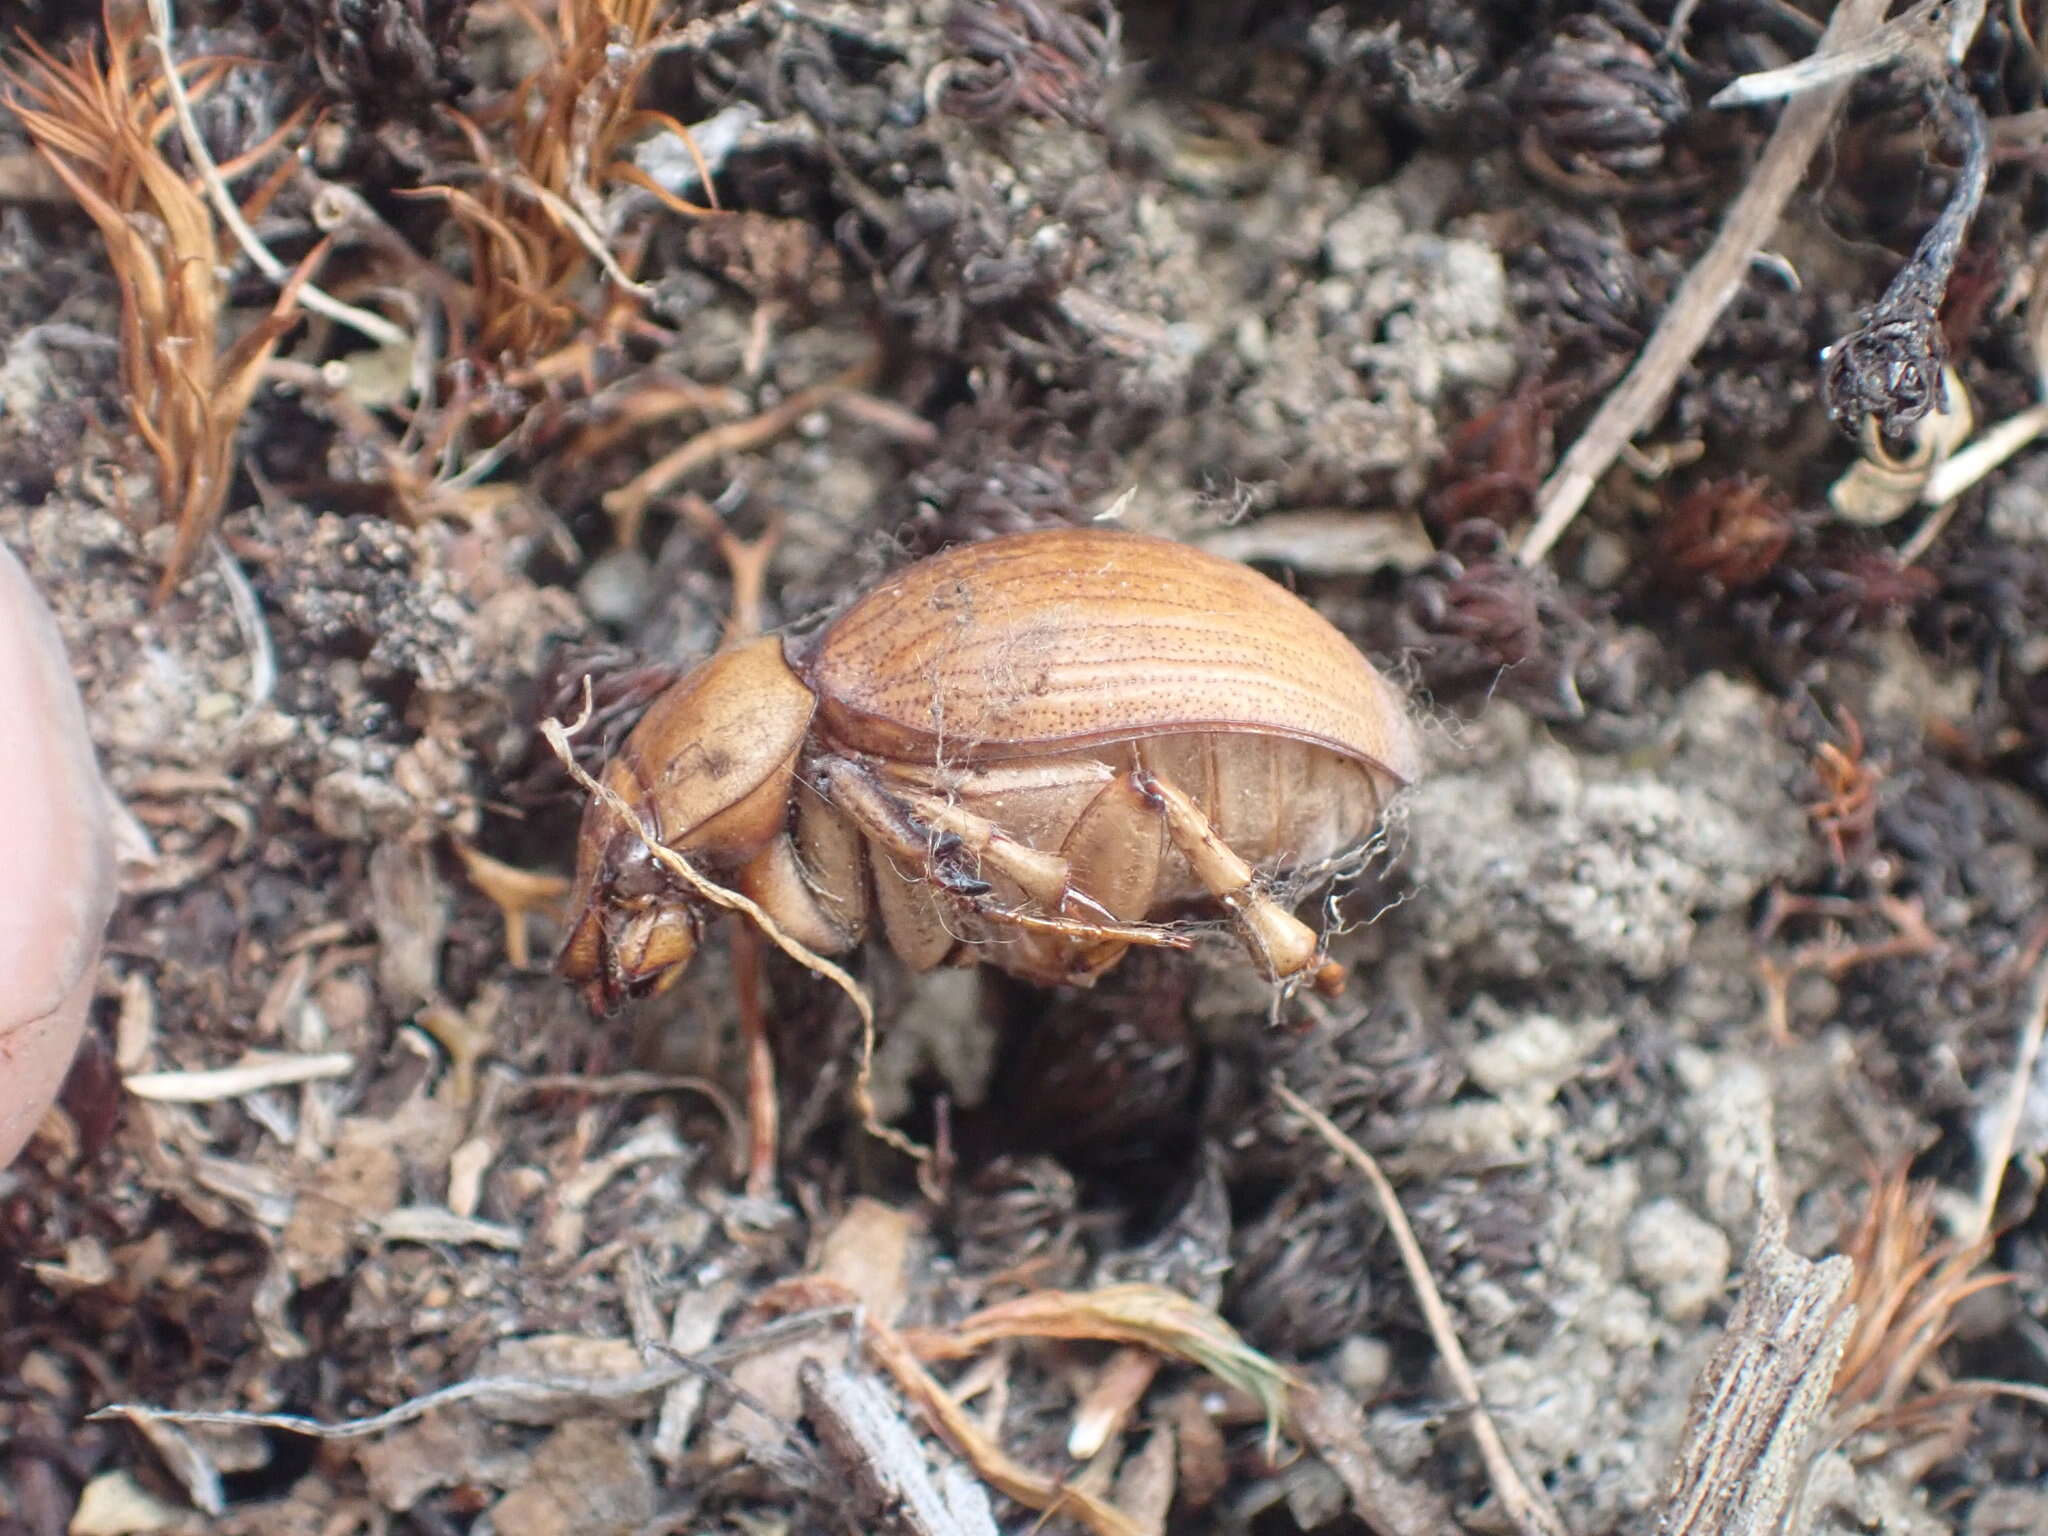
[[1730, 532], [1487, 610], [1032, 56], [1492, 466], [1597, 103], [1303, 1277], [1889, 370], [1589, 282], [1020, 1215], [386, 58]]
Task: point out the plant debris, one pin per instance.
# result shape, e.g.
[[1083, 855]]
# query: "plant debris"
[[1890, 368]]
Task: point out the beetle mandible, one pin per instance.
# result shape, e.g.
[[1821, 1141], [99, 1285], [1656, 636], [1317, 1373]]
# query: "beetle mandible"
[[1034, 752]]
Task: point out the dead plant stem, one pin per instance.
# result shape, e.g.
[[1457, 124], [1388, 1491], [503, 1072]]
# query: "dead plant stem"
[[1708, 289], [1525, 1505], [373, 326], [628, 504], [2033, 1022]]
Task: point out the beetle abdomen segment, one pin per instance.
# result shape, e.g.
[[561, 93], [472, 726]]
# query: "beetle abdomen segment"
[[1281, 805], [1095, 826]]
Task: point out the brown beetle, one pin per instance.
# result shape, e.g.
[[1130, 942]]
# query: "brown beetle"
[[1033, 752]]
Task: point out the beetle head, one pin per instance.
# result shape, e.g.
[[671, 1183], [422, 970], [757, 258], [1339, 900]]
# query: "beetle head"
[[709, 770]]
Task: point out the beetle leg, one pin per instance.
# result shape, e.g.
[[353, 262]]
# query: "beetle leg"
[[776, 879], [927, 833], [1046, 880], [906, 885], [888, 823], [1042, 877], [1282, 943], [764, 1103], [833, 857]]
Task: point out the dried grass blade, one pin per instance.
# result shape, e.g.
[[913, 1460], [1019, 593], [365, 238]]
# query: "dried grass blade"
[[991, 1463], [1149, 1316]]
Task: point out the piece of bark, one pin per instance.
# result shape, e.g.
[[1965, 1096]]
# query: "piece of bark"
[[1148, 1479], [864, 1259], [699, 1315], [1749, 1434], [588, 1478], [892, 1487], [1334, 1428]]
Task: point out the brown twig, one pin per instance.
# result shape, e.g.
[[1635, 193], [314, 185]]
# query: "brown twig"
[[995, 1466], [746, 562], [628, 503], [1833, 957], [1845, 816], [539, 219], [1525, 1504], [764, 1105], [1147, 1316]]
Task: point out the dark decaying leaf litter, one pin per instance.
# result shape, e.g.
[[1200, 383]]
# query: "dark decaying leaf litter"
[[417, 360]]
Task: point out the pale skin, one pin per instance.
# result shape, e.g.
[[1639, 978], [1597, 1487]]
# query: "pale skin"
[[55, 825]]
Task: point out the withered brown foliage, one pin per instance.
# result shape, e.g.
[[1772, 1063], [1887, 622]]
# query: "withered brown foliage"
[[1907, 1287], [1475, 611], [100, 115], [1599, 106], [1728, 532], [1843, 591], [535, 217], [1493, 464], [1845, 813]]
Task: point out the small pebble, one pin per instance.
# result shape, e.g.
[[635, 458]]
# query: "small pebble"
[[1364, 1364], [1681, 1258], [618, 587]]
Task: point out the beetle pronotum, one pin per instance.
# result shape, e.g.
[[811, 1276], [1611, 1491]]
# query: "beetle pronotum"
[[1033, 752]]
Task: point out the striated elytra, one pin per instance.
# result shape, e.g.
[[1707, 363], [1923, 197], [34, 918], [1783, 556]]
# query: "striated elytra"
[[1033, 752]]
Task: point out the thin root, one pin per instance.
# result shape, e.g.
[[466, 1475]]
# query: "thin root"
[[720, 896], [1524, 1503]]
